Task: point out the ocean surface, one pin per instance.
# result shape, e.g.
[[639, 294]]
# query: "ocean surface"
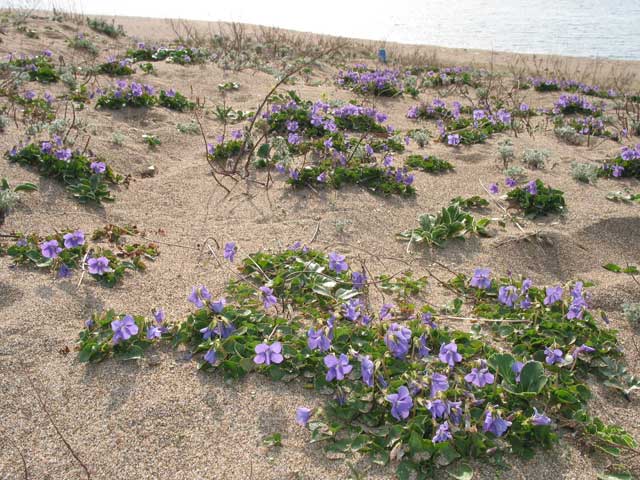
[[586, 28]]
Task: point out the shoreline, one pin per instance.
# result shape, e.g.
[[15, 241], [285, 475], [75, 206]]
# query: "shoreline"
[[142, 27]]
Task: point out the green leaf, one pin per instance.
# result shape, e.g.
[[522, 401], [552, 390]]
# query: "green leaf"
[[26, 187], [532, 378], [612, 267], [503, 363], [461, 471], [406, 470]]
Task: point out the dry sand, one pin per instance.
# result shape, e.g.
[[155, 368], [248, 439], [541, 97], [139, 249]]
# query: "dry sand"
[[159, 418]]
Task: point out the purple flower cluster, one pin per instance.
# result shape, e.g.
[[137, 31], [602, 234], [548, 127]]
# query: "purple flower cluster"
[[376, 82], [576, 104]]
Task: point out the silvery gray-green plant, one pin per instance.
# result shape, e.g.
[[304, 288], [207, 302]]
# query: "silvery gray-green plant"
[[568, 135], [632, 312], [584, 172], [506, 151], [534, 158]]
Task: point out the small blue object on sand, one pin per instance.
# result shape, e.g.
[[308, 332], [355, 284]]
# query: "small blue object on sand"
[[382, 55]]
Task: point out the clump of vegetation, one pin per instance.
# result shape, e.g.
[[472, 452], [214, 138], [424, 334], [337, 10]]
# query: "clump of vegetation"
[[373, 178], [85, 178], [175, 101], [506, 152], [430, 163], [10, 196], [228, 86], [452, 222], [110, 29], [116, 68], [536, 199], [632, 312], [39, 68], [420, 136], [151, 140], [180, 54], [225, 150], [381, 83], [535, 159], [69, 250], [127, 95], [568, 134], [382, 400], [470, 202], [191, 128], [80, 42], [625, 164], [585, 172]]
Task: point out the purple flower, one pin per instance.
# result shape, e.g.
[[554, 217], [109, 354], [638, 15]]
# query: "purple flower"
[[170, 93], [50, 249], [337, 263], [539, 419], [236, 134], [337, 367], [453, 139], [583, 349], [317, 340], [136, 89], [366, 370], [47, 53], [229, 251], [517, 369], [358, 280], [385, 311], [427, 319], [398, 340], [480, 378], [524, 107], [64, 271], [198, 294], [481, 278], [493, 188], [211, 356], [554, 294], [30, 95], [553, 355], [294, 174], [510, 182], [442, 434], [158, 314], [617, 170], [351, 309], [46, 147], [218, 305], [153, 332], [268, 354], [268, 299], [507, 295], [532, 187], [294, 139], [424, 350], [449, 354], [401, 403], [99, 266], [302, 416], [75, 239], [497, 425], [322, 178], [437, 408], [439, 383], [64, 154], [98, 167], [123, 329]]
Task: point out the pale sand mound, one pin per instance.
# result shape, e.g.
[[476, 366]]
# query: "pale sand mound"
[[159, 417]]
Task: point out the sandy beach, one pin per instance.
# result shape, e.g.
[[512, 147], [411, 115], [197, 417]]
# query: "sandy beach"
[[160, 418]]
